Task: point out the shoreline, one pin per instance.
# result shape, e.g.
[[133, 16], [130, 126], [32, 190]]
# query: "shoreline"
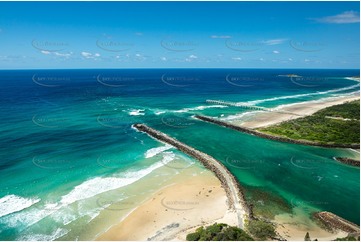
[[292, 111], [175, 209]]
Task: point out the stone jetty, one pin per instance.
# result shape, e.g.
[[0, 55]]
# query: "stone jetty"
[[348, 161], [333, 221], [234, 191], [272, 137]]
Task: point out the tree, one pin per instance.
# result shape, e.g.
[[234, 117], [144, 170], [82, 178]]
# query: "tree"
[[219, 232], [261, 229], [307, 237]]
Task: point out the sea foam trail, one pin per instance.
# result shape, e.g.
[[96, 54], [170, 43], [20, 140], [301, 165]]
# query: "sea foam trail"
[[155, 151], [12, 203], [136, 112], [239, 116], [98, 185], [185, 110], [44, 237], [302, 95], [282, 106]]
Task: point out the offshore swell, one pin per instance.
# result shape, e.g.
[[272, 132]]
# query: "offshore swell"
[[49, 192]]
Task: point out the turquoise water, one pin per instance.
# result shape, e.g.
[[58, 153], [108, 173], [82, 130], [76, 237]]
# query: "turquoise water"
[[66, 141]]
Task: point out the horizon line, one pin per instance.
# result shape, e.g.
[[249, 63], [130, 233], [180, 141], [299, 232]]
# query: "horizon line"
[[160, 68]]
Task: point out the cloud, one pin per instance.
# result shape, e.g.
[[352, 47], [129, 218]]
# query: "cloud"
[[12, 57], [275, 52], [342, 18], [163, 58], [236, 58], [63, 55], [191, 58], [273, 41], [221, 36], [261, 59], [88, 55], [67, 55]]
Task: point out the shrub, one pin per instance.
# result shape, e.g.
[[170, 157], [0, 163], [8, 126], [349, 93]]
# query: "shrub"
[[219, 232], [261, 229]]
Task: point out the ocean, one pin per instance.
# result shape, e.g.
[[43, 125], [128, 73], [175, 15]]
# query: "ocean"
[[69, 154]]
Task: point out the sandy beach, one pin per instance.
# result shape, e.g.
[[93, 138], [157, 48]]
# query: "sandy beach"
[[293, 111], [189, 202]]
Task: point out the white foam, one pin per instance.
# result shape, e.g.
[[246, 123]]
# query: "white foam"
[[44, 237], [302, 95], [357, 79], [155, 151], [282, 106], [167, 157], [26, 218], [159, 111], [333, 97], [65, 216], [98, 185], [239, 116], [136, 112], [185, 110], [12, 203]]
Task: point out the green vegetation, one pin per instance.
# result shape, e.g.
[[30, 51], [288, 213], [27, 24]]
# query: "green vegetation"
[[261, 230], [307, 237], [339, 124], [219, 232], [348, 238]]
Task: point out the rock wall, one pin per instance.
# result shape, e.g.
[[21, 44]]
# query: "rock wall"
[[272, 137], [335, 222], [208, 161], [348, 161]]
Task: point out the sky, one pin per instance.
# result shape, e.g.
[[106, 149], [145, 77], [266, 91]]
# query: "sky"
[[62, 35]]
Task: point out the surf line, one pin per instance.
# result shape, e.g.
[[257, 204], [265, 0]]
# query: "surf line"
[[234, 191]]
